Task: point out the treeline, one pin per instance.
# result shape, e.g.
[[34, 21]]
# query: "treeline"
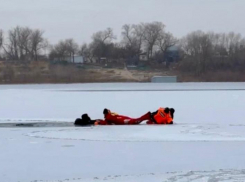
[[208, 52], [136, 39], [198, 51], [23, 43]]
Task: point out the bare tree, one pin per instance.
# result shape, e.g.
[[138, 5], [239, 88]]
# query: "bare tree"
[[152, 32], [213, 51], [101, 42], [23, 41], [241, 55], [37, 42], [45, 47], [139, 32], [58, 51], [1, 41], [66, 48], [71, 47], [129, 40], [198, 47], [18, 42], [127, 34], [105, 36], [1, 38], [83, 50], [86, 52], [227, 48], [165, 41], [12, 46], [133, 38]]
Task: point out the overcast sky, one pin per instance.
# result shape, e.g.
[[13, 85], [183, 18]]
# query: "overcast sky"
[[79, 19]]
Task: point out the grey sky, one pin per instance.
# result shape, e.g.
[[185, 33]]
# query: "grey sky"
[[79, 19]]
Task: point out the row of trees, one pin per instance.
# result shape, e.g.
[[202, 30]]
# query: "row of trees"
[[144, 37], [200, 51], [64, 48], [150, 37], [212, 51], [1, 38], [23, 43]]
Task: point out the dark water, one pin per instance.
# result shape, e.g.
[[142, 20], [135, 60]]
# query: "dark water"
[[156, 90], [36, 124]]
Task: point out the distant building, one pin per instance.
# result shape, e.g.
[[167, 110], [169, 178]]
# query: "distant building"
[[172, 54], [164, 79], [103, 60], [71, 59], [143, 57], [75, 59]]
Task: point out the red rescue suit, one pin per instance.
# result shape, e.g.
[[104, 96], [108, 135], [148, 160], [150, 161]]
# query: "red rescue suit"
[[161, 117], [125, 120]]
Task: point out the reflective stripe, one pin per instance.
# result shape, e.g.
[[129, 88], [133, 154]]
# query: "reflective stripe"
[[161, 117], [161, 114], [126, 121]]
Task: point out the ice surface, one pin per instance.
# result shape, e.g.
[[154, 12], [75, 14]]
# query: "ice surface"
[[45, 102], [205, 144], [146, 133]]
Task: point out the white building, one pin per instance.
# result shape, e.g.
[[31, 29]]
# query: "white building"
[[75, 59], [164, 79], [71, 59], [143, 57]]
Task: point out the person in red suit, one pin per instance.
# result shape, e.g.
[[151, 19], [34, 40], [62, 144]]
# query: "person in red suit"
[[162, 116], [113, 118]]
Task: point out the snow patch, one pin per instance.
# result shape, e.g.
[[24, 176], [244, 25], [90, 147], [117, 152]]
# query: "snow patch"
[[146, 133]]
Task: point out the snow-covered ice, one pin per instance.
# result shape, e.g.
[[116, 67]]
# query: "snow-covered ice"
[[206, 143]]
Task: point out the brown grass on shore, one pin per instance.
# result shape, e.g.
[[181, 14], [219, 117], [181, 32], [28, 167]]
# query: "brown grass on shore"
[[44, 72]]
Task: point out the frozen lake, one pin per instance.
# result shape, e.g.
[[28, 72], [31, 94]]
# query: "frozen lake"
[[206, 143]]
